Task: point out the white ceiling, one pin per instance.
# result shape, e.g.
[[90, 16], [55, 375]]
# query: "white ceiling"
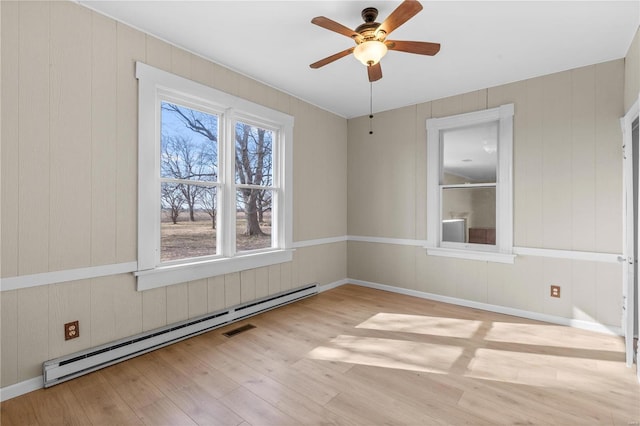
[[484, 43]]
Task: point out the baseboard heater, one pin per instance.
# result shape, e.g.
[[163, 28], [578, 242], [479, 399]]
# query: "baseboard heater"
[[77, 364]]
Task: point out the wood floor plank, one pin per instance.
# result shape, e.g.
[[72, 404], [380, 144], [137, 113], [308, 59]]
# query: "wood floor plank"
[[61, 408], [204, 375], [304, 409], [252, 379], [256, 410], [197, 402], [309, 382], [378, 409], [19, 411], [132, 386], [416, 387], [164, 412], [255, 354], [101, 402], [358, 356]]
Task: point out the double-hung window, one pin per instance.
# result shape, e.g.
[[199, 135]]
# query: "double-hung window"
[[214, 185], [469, 188]]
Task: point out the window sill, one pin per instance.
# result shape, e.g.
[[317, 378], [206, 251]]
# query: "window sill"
[[487, 256], [163, 276]]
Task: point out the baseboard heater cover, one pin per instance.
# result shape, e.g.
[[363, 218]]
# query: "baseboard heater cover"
[[77, 364]]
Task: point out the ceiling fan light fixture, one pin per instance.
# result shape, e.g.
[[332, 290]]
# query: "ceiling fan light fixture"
[[370, 52]]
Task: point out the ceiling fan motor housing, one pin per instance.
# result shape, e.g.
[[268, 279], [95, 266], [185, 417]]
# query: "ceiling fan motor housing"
[[368, 29], [369, 14]]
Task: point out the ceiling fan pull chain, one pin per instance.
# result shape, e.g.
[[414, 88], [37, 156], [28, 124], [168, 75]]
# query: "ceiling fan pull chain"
[[370, 107]]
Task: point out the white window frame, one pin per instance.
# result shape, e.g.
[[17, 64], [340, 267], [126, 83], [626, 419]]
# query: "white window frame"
[[154, 86], [502, 251]]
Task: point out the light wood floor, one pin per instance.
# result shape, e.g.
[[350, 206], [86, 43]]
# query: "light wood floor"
[[351, 356]]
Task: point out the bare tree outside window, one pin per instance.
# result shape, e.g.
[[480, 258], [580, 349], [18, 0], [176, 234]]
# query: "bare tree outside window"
[[188, 171], [208, 200], [253, 167], [172, 201], [189, 165], [184, 159]]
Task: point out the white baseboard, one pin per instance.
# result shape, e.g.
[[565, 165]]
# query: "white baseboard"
[[21, 388], [333, 285]]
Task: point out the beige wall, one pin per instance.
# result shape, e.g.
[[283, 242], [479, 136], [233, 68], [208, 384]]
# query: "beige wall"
[[567, 196], [69, 184], [632, 72]]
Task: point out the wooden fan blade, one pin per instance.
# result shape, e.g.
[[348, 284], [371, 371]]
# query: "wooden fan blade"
[[331, 25], [400, 15], [329, 59], [375, 72], [419, 47]]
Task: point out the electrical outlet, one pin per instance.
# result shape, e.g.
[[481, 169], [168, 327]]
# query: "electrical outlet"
[[555, 291], [71, 330]]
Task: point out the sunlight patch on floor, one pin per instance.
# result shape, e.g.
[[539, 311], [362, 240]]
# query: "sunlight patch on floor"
[[538, 369], [389, 353], [552, 335], [422, 324], [533, 354]]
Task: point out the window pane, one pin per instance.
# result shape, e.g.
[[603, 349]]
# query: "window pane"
[[189, 148], [470, 154], [469, 215], [188, 221], [254, 162], [253, 219]]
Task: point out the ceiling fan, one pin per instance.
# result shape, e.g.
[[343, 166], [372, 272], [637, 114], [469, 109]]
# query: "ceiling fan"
[[371, 38]]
